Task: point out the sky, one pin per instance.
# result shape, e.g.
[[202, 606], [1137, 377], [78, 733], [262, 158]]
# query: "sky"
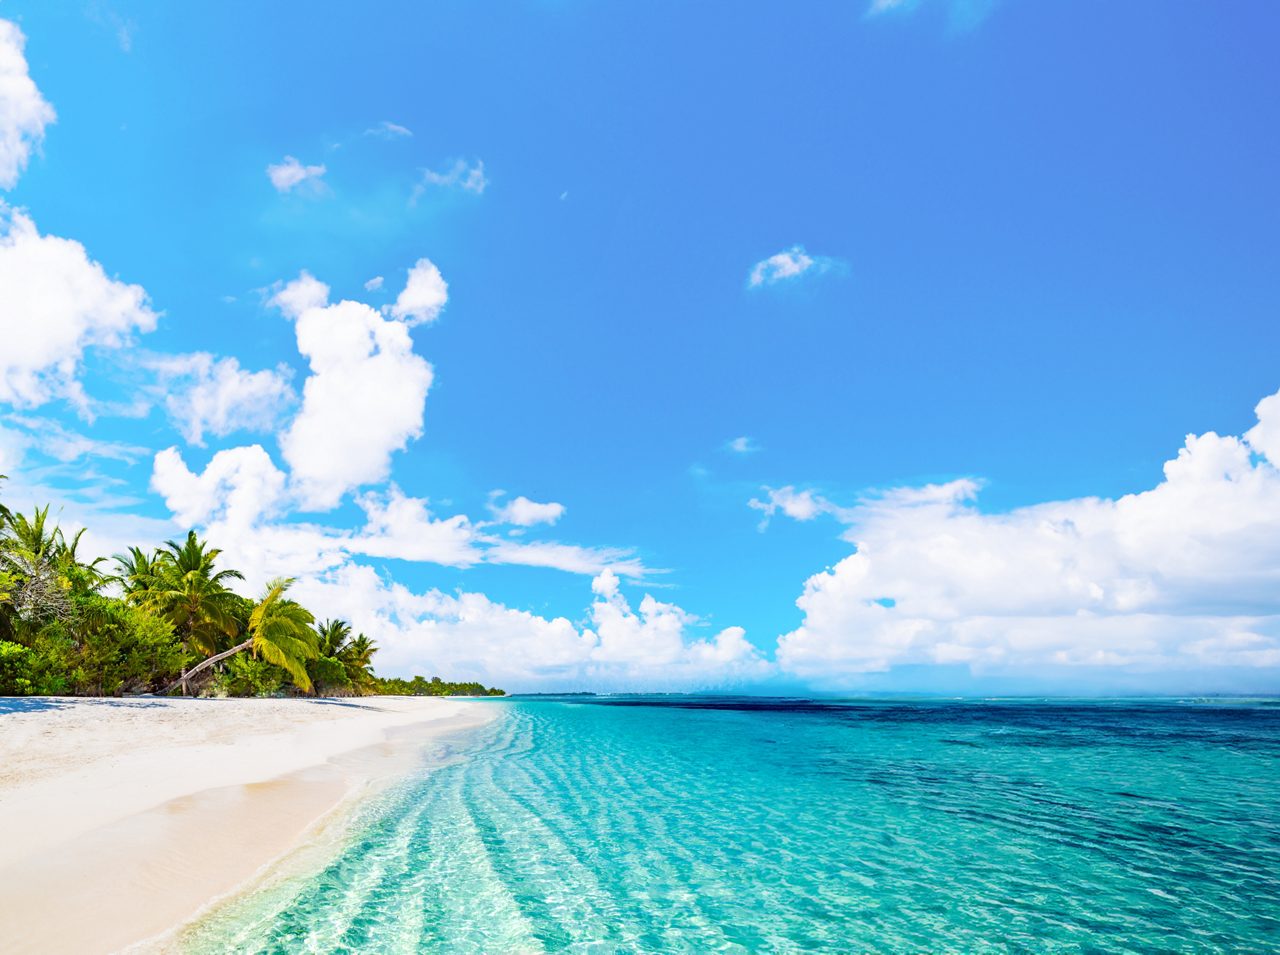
[[848, 346]]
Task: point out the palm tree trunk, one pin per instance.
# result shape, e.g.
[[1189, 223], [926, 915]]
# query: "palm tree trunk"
[[204, 665]]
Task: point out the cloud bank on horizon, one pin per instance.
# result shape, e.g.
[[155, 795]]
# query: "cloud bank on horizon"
[[1173, 582]]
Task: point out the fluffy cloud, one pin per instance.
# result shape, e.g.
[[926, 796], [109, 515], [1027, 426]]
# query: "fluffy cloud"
[[742, 445], [788, 265], [425, 294], [469, 636], [461, 175], [204, 394], [374, 284], [51, 284], [24, 113], [1185, 576], [242, 501], [288, 174], [239, 487], [362, 402], [525, 513], [402, 527]]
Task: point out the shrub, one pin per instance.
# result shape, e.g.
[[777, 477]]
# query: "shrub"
[[16, 671]]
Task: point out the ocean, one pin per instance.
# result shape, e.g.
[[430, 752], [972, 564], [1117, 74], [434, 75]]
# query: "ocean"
[[714, 824]]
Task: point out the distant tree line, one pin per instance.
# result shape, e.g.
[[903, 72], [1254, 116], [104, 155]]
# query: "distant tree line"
[[166, 621]]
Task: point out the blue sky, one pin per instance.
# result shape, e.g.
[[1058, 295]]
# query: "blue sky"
[[1019, 252]]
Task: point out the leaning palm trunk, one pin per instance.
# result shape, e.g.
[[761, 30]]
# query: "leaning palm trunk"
[[204, 665]]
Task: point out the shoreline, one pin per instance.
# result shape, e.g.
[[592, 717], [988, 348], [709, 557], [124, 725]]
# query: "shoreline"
[[123, 822]]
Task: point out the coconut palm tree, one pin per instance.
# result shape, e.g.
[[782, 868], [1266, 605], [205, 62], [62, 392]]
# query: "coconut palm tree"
[[180, 584], [353, 653], [357, 656], [332, 636], [279, 632]]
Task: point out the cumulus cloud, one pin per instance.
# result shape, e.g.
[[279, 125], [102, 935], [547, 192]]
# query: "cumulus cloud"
[[363, 400], [523, 512], [788, 265], [239, 486], [424, 296], [50, 283], [373, 284], [470, 636], [242, 500], [461, 175], [204, 394], [1184, 576], [404, 528], [24, 113], [289, 174]]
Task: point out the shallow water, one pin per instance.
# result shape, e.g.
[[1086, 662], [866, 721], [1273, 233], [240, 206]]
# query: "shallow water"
[[706, 825]]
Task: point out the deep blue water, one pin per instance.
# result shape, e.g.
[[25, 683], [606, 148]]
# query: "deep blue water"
[[722, 825]]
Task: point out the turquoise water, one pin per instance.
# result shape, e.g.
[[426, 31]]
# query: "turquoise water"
[[744, 826]]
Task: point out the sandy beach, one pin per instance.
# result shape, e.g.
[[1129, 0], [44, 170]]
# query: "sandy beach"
[[122, 820]]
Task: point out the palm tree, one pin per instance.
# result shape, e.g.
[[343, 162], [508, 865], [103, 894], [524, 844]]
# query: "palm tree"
[[81, 577], [30, 554], [180, 584], [331, 637], [357, 657], [353, 653], [279, 632]]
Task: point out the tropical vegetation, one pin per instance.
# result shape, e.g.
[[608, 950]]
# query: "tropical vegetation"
[[168, 621]]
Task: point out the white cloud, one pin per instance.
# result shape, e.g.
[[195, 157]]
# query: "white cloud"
[[571, 558], [1185, 576], [742, 445], [788, 265], [402, 527], [362, 402], [204, 394], [50, 283], [52, 438], [469, 636], [239, 486], [797, 505], [373, 284], [425, 294], [24, 113], [389, 130], [461, 175], [525, 513], [289, 173]]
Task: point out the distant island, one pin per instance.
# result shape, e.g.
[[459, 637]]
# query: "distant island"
[[166, 621]]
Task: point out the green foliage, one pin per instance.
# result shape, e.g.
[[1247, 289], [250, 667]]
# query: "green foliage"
[[420, 686], [246, 676], [124, 649], [329, 677], [17, 670]]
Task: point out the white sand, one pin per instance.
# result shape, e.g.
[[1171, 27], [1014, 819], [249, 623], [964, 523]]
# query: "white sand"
[[121, 820]]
